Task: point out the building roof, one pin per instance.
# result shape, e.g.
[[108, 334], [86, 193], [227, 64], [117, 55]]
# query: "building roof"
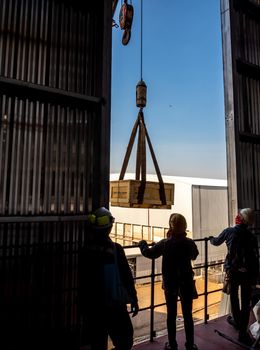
[[180, 179]]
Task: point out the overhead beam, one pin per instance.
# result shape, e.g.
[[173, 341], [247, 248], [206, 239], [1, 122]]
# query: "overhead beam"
[[21, 88]]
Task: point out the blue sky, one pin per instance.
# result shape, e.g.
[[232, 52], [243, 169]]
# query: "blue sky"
[[182, 67]]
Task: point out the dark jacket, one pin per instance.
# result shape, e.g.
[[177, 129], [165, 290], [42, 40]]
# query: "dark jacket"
[[242, 249], [93, 257], [177, 253]]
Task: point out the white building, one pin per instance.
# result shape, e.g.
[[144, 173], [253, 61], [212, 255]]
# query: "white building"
[[202, 201]]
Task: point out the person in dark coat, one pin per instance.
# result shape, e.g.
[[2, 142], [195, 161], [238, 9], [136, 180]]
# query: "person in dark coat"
[[177, 251], [242, 268], [106, 287]]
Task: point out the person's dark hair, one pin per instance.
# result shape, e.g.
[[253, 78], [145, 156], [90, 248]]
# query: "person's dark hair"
[[178, 225]]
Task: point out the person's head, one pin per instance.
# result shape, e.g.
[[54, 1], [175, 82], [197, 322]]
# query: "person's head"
[[101, 220], [177, 223], [247, 216]]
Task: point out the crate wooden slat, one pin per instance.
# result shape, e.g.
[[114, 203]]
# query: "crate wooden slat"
[[123, 193]]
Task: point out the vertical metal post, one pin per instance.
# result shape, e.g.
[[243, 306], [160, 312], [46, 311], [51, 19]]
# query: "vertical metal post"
[[124, 234], [206, 316], [152, 332], [115, 226]]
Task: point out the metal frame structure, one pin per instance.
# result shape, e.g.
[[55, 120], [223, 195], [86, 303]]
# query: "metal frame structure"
[[241, 55]]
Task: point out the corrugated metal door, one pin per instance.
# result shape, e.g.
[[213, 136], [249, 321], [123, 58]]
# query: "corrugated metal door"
[[55, 67], [54, 134], [210, 217], [209, 210], [241, 54]]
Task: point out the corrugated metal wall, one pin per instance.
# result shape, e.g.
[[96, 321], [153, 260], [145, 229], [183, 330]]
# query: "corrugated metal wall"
[[55, 67], [39, 285], [241, 53], [51, 92], [209, 210], [210, 217]]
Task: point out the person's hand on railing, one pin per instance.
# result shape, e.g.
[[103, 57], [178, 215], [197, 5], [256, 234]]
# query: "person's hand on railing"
[[134, 308], [142, 244], [211, 238]]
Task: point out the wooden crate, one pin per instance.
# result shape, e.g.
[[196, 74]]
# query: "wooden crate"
[[123, 193]]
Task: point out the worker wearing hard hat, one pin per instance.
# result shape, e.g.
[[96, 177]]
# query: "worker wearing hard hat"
[[106, 287]]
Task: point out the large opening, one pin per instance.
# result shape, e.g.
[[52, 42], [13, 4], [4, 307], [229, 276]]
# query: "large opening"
[[183, 70]]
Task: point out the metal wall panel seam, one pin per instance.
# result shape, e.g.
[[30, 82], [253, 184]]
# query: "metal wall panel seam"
[[24, 42], [19, 180], [2, 136], [81, 54], [20, 40], [29, 168], [2, 40], [30, 64], [53, 46], [13, 163], [57, 197], [46, 161], [58, 83], [85, 179], [35, 156], [52, 157], [6, 155], [36, 43], [13, 52], [39, 160], [62, 49], [7, 38], [77, 161], [87, 55], [66, 159]]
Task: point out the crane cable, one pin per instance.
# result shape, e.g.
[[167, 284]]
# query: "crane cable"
[[141, 40]]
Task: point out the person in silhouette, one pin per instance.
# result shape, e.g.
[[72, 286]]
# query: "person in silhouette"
[[106, 287], [242, 268], [177, 251]]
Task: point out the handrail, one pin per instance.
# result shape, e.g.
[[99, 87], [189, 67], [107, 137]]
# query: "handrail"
[[152, 276], [206, 266], [80, 218]]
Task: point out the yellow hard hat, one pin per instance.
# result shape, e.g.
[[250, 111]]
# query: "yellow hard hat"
[[100, 219]]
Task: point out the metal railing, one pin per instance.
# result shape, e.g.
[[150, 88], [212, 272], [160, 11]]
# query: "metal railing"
[[39, 259], [206, 265], [134, 232]]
